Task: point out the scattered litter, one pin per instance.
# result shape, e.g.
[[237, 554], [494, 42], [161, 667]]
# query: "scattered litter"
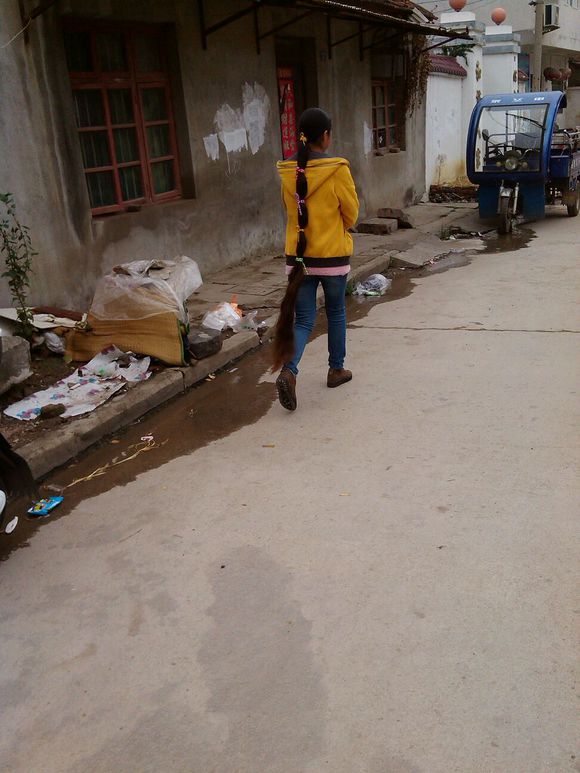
[[44, 321], [222, 317], [375, 285], [148, 443], [233, 370], [54, 487], [344, 494], [45, 506], [247, 322], [54, 343], [269, 445], [11, 525], [114, 442], [85, 389]]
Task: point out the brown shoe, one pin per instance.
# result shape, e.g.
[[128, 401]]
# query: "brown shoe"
[[286, 386], [336, 377]]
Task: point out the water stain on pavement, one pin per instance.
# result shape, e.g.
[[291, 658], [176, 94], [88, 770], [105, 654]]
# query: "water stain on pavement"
[[260, 667], [212, 410]]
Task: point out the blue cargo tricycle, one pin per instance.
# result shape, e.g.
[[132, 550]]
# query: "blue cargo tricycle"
[[520, 159]]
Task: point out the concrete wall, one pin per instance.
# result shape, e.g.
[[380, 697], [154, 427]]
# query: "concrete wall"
[[572, 116], [445, 155], [521, 16], [235, 212]]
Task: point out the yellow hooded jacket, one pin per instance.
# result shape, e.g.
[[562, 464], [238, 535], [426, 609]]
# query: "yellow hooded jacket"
[[332, 209]]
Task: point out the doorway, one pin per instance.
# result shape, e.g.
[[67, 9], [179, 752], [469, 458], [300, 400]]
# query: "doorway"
[[297, 86]]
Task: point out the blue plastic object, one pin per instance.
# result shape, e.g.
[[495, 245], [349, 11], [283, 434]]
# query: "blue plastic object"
[[45, 506]]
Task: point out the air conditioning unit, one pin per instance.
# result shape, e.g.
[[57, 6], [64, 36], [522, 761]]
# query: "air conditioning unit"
[[551, 17]]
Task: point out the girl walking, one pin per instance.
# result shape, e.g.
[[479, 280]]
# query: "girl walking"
[[321, 205]]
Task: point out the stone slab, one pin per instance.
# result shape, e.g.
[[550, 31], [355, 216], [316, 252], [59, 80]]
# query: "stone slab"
[[404, 219], [378, 226], [14, 362]]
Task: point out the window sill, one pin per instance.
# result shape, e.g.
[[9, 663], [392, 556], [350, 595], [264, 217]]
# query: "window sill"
[[394, 150], [101, 223]]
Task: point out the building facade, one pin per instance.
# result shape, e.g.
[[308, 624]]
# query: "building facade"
[[150, 129]]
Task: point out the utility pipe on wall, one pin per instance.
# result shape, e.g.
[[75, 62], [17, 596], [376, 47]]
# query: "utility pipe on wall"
[[538, 41]]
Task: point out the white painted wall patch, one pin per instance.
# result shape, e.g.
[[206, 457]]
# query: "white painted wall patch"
[[368, 139], [256, 109], [212, 146]]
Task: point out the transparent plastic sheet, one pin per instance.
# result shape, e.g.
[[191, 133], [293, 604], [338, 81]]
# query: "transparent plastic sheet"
[[376, 284], [222, 317], [144, 288]]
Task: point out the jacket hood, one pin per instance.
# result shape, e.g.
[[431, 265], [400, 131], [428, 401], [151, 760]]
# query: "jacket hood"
[[318, 171]]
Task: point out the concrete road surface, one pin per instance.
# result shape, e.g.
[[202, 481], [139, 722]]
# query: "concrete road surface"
[[382, 582]]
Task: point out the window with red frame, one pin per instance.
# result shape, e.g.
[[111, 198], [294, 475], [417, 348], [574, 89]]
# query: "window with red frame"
[[124, 114], [386, 127]]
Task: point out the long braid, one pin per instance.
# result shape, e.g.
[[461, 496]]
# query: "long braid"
[[284, 335]]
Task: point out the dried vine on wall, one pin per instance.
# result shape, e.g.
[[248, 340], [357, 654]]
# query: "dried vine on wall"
[[417, 72]]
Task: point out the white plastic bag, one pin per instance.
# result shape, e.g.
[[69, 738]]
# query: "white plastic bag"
[[376, 284], [144, 288], [222, 317], [247, 322]]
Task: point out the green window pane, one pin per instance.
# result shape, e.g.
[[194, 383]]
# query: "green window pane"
[[126, 146], [163, 177], [379, 95], [148, 54], [101, 189], [380, 117], [392, 135], [382, 138], [111, 51], [158, 141], [79, 56], [154, 105], [88, 105], [131, 183], [120, 106], [95, 149], [392, 114]]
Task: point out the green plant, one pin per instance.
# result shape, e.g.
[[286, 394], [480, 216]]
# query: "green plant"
[[458, 50], [16, 247]]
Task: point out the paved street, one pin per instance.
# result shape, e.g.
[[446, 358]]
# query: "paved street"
[[381, 582]]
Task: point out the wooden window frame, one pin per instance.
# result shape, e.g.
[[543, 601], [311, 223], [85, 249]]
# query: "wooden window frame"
[[389, 87], [135, 82]]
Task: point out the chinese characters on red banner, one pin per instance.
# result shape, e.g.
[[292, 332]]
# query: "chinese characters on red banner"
[[287, 111]]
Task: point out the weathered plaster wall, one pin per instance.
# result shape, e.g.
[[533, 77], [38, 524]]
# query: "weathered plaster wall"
[[235, 212], [445, 162]]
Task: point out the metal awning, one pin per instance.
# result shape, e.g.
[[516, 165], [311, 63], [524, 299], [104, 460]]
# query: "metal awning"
[[402, 15]]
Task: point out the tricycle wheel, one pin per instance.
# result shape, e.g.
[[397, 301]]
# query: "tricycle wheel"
[[574, 209], [506, 222]]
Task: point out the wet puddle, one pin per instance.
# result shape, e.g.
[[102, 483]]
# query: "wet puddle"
[[212, 410]]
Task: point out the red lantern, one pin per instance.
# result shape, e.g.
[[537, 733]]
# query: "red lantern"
[[457, 5], [498, 15], [551, 74], [566, 73]]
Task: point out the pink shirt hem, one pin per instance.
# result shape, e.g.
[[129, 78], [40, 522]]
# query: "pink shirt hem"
[[329, 271]]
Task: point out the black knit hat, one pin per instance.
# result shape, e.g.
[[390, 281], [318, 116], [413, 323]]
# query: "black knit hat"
[[313, 123]]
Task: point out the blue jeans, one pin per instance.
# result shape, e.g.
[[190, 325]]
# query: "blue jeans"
[[334, 299]]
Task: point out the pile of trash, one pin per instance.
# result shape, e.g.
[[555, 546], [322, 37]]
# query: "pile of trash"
[[140, 307], [85, 389]]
